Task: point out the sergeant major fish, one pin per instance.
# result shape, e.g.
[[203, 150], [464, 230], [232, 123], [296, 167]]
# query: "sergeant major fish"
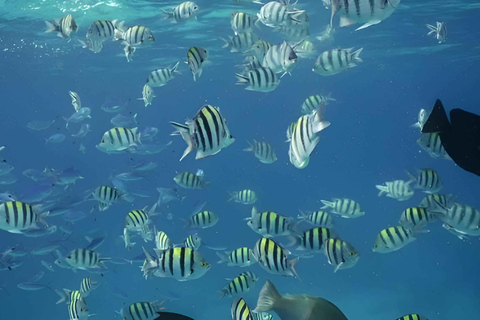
[[64, 27], [336, 60], [239, 285], [241, 257], [392, 239], [16, 217], [160, 77], [263, 151], [274, 259], [196, 59], [346, 208], [259, 79], [340, 254], [189, 180], [119, 139], [245, 196], [184, 11], [270, 224], [147, 95], [134, 36], [397, 189]]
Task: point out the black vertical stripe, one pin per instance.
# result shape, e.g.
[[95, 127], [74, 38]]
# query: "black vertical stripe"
[[15, 213], [182, 262], [357, 7]]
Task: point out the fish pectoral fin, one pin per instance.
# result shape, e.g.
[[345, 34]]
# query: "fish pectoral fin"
[[337, 267], [368, 24]]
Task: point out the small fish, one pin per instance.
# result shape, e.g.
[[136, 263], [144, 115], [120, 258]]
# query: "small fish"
[[340, 254], [270, 224], [65, 27], [203, 219], [167, 195], [263, 151], [144, 166], [422, 119], [260, 79], [129, 52], [416, 217], [413, 316], [16, 217], [240, 310], [149, 133], [241, 257], [392, 239], [259, 49], [427, 180], [274, 259], [335, 61], [119, 139], [397, 189], [32, 286], [193, 242], [35, 233], [160, 77], [242, 22], [306, 49], [138, 221], [83, 131], [313, 239], [76, 102], [326, 36], [85, 259], [290, 130], [68, 176], [134, 36], [87, 285], [430, 200], [162, 241], [184, 11], [95, 46], [47, 266], [275, 14], [101, 30], [141, 311], [245, 196], [242, 42], [78, 116], [39, 125], [317, 218], [461, 217], [189, 180], [315, 102], [346, 208], [113, 108], [432, 144], [439, 31], [5, 168], [55, 138], [106, 196], [239, 285], [281, 58], [121, 120], [196, 59], [459, 234], [127, 239], [147, 95]]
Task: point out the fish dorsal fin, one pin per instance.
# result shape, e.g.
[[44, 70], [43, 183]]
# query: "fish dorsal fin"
[[438, 120]]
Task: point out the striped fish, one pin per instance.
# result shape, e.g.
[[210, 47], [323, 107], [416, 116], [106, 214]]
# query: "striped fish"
[[16, 216], [241, 42], [106, 196], [242, 22], [368, 12], [85, 259], [93, 45], [138, 221], [317, 218], [162, 241], [281, 58], [119, 139], [68, 296], [76, 102], [314, 102], [290, 129], [207, 132], [274, 259], [134, 36], [240, 310], [184, 11], [259, 49], [245, 196], [64, 27], [461, 217], [147, 95], [263, 151], [432, 144], [275, 14], [193, 242], [196, 59], [101, 30], [181, 264], [416, 217], [160, 77], [87, 285], [78, 309], [270, 224], [239, 285], [392, 239], [260, 79], [335, 61], [189, 180], [413, 316], [439, 31], [314, 239], [341, 254], [397, 189], [306, 49], [295, 31], [304, 139], [241, 257], [428, 181], [141, 311], [428, 201], [251, 63], [346, 208], [203, 219], [261, 316]]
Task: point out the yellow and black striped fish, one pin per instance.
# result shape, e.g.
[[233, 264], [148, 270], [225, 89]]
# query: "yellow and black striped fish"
[[196, 59], [64, 27], [314, 239], [189, 180], [242, 22], [274, 259], [119, 139], [428, 201], [140, 311], [416, 217], [203, 219], [245, 196], [16, 216], [207, 132], [160, 77], [136, 220], [193, 242], [240, 310], [317, 218], [263, 151], [87, 285], [184, 11], [413, 316], [78, 309], [346, 208], [162, 241], [241, 257], [240, 284], [341, 254], [269, 223], [428, 181], [106, 196], [85, 259], [260, 79], [392, 239]]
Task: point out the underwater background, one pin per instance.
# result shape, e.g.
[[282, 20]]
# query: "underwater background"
[[369, 142]]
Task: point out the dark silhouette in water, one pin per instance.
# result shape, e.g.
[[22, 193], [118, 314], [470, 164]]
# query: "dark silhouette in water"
[[460, 136], [171, 316]]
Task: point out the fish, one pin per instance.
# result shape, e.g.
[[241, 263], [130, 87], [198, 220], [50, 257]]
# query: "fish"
[[147, 95], [297, 30], [76, 102], [5, 168], [397, 189], [427, 180], [461, 217], [245, 196], [95, 46], [261, 316], [101, 30], [16, 217], [119, 139], [68, 176], [439, 31], [317, 218], [368, 12], [242, 22], [259, 49], [182, 264], [207, 132], [295, 307], [203, 219], [141, 311], [413, 316], [241, 42], [87, 285], [47, 266], [184, 11], [334, 61], [304, 140], [340, 254], [260, 79], [240, 310], [345, 208], [39, 125], [167, 195], [134, 36], [290, 130], [85, 259], [78, 309], [106, 107], [422, 118], [277, 13], [106, 196], [83, 131], [162, 241], [138, 221], [392, 239], [121, 120], [459, 234], [460, 136], [149, 133], [78, 116], [189, 180], [429, 201], [416, 217], [196, 59], [35, 233], [241, 257], [160, 77], [432, 144], [274, 259], [55, 138], [65, 27], [263, 151], [314, 239], [32, 286], [193, 242], [239, 285], [281, 58], [270, 224], [314, 102], [326, 36]]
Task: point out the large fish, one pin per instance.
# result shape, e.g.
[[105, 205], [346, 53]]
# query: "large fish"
[[296, 307]]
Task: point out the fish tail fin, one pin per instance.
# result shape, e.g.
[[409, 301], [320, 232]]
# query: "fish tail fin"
[[227, 43], [250, 147], [232, 196], [174, 69], [52, 26], [327, 204], [42, 216], [302, 216], [438, 120], [356, 55], [119, 31], [268, 298], [241, 79], [63, 295], [292, 263], [168, 15], [223, 257], [383, 189]]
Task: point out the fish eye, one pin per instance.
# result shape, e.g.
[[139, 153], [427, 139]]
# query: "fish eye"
[[196, 7], [69, 257], [204, 264], [352, 253]]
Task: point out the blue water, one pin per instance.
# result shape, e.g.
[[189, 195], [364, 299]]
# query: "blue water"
[[368, 143]]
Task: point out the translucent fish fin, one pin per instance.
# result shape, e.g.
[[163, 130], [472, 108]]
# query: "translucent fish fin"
[[368, 24], [268, 298]]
